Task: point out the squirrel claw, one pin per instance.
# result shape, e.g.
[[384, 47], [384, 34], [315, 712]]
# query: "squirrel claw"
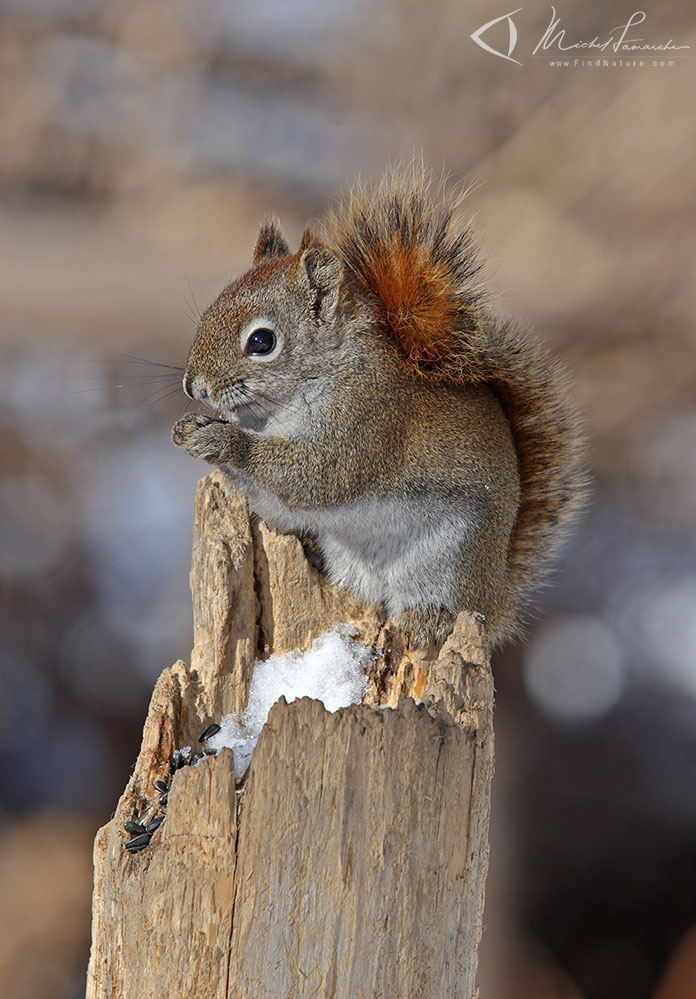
[[202, 436], [184, 429]]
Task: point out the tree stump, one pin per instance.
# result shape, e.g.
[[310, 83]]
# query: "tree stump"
[[350, 862]]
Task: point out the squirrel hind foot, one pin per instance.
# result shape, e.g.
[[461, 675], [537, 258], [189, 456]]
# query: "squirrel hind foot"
[[426, 627]]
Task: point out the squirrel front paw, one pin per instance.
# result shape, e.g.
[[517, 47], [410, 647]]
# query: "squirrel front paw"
[[424, 627], [206, 437]]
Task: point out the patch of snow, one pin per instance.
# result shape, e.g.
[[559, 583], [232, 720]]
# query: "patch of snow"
[[332, 671]]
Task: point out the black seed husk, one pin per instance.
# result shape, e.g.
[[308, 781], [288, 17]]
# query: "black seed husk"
[[180, 758], [139, 843], [209, 732], [134, 827]]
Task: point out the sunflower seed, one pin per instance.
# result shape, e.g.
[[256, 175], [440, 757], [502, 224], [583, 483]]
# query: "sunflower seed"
[[209, 732], [139, 843]]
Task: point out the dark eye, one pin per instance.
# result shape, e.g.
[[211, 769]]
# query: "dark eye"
[[261, 341]]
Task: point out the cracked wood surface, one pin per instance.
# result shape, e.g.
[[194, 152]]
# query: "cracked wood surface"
[[352, 861]]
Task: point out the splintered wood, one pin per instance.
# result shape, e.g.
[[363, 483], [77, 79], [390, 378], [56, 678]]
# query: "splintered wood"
[[351, 862]]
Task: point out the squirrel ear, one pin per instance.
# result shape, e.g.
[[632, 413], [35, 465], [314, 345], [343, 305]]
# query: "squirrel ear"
[[324, 272], [270, 243]]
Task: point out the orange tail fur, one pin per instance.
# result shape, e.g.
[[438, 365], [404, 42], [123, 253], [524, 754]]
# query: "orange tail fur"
[[405, 243]]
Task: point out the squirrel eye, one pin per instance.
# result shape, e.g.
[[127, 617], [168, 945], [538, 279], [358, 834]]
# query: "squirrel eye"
[[261, 341]]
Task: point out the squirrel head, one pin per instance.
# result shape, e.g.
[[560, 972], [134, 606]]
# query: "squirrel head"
[[260, 354]]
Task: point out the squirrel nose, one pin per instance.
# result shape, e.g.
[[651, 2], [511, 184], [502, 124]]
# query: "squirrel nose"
[[195, 387]]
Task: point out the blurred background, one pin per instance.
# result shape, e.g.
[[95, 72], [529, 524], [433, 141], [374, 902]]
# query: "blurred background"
[[142, 143]]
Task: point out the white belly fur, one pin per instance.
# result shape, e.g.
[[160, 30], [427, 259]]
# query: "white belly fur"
[[383, 550]]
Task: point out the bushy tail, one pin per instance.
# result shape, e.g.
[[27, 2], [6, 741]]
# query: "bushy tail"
[[536, 397], [405, 243]]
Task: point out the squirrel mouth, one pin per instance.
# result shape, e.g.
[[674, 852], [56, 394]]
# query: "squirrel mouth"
[[224, 413], [243, 411], [229, 414]]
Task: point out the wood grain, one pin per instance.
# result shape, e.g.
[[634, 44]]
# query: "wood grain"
[[351, 862]]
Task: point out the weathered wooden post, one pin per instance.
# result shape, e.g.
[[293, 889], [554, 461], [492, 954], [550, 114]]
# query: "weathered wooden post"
[[351, 861]]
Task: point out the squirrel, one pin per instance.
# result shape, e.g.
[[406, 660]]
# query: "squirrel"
[[365, 397]]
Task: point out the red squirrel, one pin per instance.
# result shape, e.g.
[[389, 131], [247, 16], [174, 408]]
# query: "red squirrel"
[[365, 396]]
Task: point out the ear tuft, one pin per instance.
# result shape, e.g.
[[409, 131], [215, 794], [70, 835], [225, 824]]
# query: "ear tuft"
[[270, 243], [308, 239], [323, 268], [324, 272]]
